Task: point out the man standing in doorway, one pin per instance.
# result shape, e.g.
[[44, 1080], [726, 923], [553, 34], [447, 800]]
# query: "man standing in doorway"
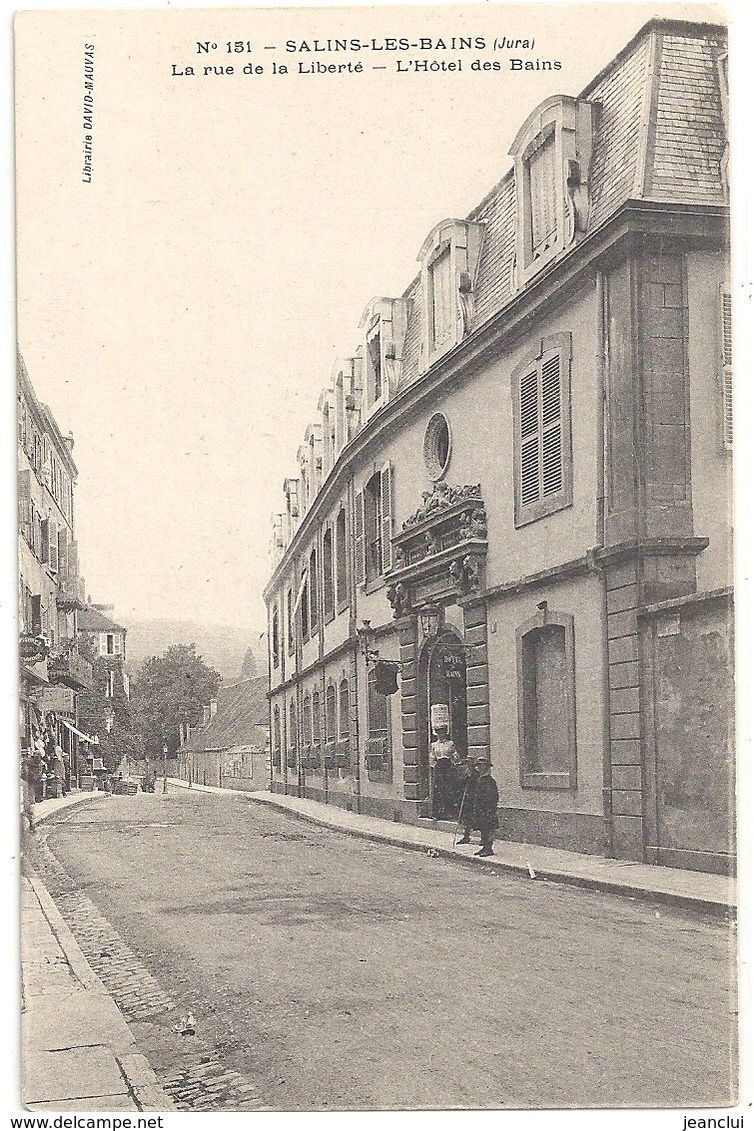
[[486, 798]]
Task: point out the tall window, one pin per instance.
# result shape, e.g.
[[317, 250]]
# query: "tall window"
[[292, 740], [306, 725], [331, 714], [110, 684], [316, 721], [328, 588], [341, 559], [374, 525], [372, 534], [275, 638], [277, 740], [377, 708], [304, 608], [547, 710], [344, 711], [313, 592], [289, 619], [542, 431]]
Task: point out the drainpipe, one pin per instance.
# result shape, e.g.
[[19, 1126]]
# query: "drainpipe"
[[352, 632], [603, 362]]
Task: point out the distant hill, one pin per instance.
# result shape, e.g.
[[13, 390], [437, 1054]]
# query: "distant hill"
[[222, 647]]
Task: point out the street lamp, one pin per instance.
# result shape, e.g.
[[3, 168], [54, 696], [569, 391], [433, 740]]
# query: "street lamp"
[[164, 767], [430, 621]]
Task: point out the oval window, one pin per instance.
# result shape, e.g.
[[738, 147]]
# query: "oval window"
[[437, 446]]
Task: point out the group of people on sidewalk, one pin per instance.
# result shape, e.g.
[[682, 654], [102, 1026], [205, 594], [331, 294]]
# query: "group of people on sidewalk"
[[47, 767], [463, 790]]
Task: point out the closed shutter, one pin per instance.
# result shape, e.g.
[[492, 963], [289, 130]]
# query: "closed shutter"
[[45, 540], [543, 192], [727, 351], [386, 517], [73, 558], [63, 552], [53, 547], [529, 424], [358, 540], [552, 455]]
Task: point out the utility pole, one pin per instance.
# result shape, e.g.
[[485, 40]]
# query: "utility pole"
[[164, 767]]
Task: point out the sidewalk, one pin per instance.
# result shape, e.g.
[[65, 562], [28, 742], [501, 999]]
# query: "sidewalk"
[[696, 891], [78, 1053]]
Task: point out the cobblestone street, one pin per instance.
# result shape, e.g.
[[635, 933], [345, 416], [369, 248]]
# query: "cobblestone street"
[[327, 972]]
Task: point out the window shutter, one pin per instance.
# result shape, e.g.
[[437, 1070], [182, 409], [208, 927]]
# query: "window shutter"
[[529, 423], [386, 517], [360, 561], [727, 351], [24, 504], [552, 454], [52, 553], [45, 540], [73, 558], [63, 552]]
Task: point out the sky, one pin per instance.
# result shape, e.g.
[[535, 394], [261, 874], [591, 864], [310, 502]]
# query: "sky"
[[181, 313]]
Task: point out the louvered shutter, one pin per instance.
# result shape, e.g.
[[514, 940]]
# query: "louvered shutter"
[[358, 540], [73, 559], [552, 446], [53, 548], [24, 504], [727, 351], [529, 436], [45, 540], [36, 614], [386, 516], [543, 193], [63, 552]]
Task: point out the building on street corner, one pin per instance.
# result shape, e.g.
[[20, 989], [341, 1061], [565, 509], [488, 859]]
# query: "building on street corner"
[[514, 501], [230, 747]]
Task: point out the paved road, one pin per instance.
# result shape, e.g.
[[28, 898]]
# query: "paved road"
[[336, 973]]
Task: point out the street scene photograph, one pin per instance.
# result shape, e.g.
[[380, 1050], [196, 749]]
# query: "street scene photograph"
[[375, 434]]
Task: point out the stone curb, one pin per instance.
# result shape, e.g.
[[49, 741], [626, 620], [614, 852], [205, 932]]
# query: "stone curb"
[[713, 907], [135, 1068]]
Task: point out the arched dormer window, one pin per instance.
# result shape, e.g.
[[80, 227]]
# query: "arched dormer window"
[[552, 154], [449, 257]]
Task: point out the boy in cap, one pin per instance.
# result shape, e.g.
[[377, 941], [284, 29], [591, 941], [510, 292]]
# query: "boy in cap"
[[484, 816]]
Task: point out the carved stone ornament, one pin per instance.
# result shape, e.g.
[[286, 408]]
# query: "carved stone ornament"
[[398, 597], [440, 498], [465, 573]]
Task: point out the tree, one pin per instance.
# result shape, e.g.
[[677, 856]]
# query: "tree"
[[169, 690]]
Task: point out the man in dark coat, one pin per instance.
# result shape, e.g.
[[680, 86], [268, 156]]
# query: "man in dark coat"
[[484, 816]]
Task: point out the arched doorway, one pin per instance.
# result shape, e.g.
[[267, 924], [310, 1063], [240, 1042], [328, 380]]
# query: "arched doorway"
[[441, 679]]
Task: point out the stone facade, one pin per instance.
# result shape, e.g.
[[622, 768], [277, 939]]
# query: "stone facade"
[[504, 484]]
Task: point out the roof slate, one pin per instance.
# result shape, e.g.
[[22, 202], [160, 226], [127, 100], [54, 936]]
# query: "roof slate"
[[241, 718], [92, 620], [673, 130]]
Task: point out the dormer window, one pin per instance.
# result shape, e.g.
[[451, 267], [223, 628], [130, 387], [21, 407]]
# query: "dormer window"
[[383, 325], [374, 364], [552, 155], [449, 258]]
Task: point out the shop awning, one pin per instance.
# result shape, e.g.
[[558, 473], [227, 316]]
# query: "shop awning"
[[94, 741]]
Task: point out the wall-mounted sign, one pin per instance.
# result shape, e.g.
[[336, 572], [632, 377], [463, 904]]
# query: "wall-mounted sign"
[[439, 715], [453, 665], [58, 699]]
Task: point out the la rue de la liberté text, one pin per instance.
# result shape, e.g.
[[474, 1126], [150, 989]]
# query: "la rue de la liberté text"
[[315, 56]]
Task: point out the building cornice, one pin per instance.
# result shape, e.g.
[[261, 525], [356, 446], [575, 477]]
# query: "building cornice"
[[622, 235]]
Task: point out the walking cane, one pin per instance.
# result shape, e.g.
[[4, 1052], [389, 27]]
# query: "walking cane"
[[460, 810]]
